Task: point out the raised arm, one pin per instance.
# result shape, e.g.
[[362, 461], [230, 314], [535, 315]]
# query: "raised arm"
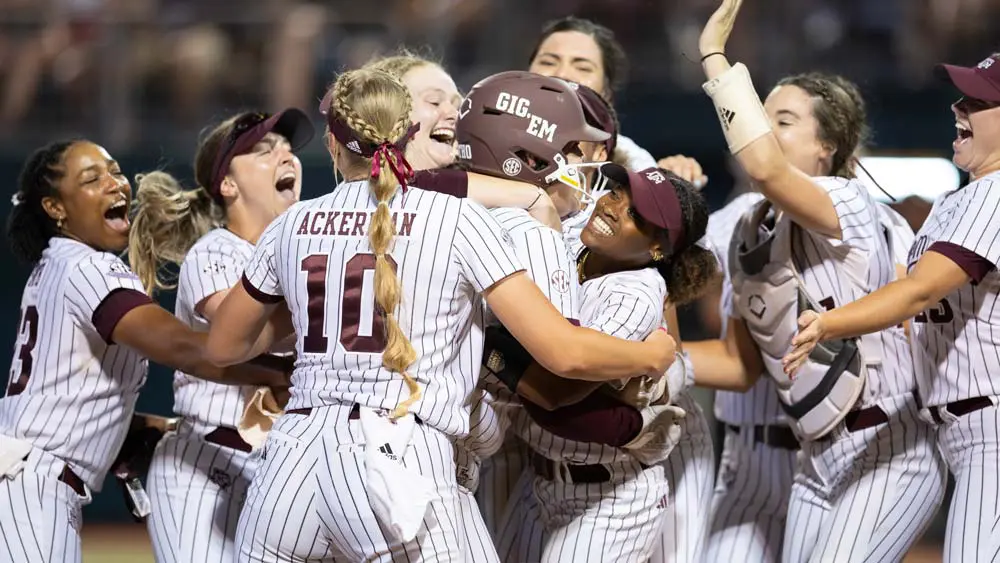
[[747, 128], [732, 364], [491, 192]]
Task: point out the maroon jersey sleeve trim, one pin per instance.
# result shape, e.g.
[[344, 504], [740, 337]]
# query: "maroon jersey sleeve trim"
[[599, 418], [445, 181], [259, 295], [974, 265], [113, 307]]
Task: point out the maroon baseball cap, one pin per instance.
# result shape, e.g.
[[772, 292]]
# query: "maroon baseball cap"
[[654, 197], [292, 124], [981, 81]]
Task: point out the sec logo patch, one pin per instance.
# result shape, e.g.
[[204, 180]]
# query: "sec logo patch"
[[560, 281]]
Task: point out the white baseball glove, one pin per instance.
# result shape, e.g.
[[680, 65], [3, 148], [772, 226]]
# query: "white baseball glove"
[[659, 435]]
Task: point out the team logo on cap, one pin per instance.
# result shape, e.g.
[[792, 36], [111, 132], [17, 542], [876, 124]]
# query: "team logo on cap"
[[986, 63], [512, 166], [655, 176]]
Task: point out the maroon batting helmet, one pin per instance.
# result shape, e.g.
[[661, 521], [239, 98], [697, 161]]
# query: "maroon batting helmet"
[[518, 124]]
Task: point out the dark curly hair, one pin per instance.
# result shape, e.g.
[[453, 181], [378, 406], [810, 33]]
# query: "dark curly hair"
[[689, 270], [29, 227], [840, 112]]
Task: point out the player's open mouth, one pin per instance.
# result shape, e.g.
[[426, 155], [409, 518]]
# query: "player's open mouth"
[[963, 134], [601, 227], [444, 135], [286, 185], [116, 216]]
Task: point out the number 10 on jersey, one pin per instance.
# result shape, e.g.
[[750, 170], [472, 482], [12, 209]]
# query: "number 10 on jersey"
[[362, 322]]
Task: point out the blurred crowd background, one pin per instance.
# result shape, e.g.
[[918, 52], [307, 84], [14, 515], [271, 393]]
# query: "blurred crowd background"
[[142, 77]]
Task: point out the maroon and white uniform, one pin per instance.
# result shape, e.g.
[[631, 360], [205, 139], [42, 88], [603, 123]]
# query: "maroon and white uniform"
[[316, 257], [69, 400], [956, 352], [200, 473]]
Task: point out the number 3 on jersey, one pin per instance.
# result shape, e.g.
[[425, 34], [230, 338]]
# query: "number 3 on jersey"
[[362, 322], [21, 366]]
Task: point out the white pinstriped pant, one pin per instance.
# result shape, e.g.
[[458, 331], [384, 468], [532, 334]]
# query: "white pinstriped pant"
[[196, 489], [690, 471], [751, 500], [867, 495], [971, 447], [40, 516], [308, 498], [498, 475], [618, 521]]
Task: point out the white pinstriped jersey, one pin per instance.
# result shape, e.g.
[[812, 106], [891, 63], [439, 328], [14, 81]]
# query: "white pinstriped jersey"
[[836, 272], [213, 264], [72, 392], [900, 234], [625, 304], [447, 251], [956, 345], [547, 261]]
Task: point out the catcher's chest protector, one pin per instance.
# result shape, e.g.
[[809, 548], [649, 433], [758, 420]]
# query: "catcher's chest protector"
[[769, 295]]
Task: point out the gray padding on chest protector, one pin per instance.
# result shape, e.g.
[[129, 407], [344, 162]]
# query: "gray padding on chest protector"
[[769, 295]]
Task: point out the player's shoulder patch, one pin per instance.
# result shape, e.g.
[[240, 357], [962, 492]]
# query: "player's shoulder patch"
[[560, 281]]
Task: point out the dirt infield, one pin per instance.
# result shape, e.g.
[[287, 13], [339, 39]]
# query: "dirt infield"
[[128, 543]]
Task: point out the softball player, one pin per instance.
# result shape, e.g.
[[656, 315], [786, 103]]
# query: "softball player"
[[354, 362], [248, 175], [950, 294], [579, 494], [587, 53], [87, 326], [857, 476]]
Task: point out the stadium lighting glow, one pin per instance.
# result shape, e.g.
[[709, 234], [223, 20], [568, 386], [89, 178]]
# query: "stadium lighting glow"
[[904, 176]]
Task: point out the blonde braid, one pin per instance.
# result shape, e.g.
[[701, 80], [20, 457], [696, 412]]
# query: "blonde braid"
[[350, 102]]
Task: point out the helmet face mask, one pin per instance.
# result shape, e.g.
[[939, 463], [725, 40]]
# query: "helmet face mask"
[[574, 176], [518, 124]]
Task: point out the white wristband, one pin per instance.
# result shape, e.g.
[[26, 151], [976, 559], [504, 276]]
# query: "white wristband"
[[740, 112]]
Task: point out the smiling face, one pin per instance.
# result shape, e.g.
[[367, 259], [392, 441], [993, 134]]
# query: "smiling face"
[[977, 144], [94, 198], [571, 55], [617, 231], [268, 178], [794, 124], [435, 107]]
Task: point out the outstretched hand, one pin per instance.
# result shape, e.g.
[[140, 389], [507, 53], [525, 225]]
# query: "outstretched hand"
[[718, 28], [811, 333]]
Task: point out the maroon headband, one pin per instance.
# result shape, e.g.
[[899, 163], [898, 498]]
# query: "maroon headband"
[[654, 197], [292, 124], [391, 152]]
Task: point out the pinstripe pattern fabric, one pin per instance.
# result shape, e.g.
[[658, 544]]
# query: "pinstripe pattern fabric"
[[750, 504], [498, 476], [40, 516], [308, 501], [522, 536], [81, 390], [957, 353], [971, 447], [477, 542], [867, 495], [213, 264], [690, 473], [447, 251], [197, 490]]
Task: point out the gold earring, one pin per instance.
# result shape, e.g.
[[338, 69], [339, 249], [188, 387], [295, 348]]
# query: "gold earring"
[[657, 256]]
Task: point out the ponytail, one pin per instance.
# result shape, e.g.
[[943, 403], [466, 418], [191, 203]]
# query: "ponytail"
[[167, 221]]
